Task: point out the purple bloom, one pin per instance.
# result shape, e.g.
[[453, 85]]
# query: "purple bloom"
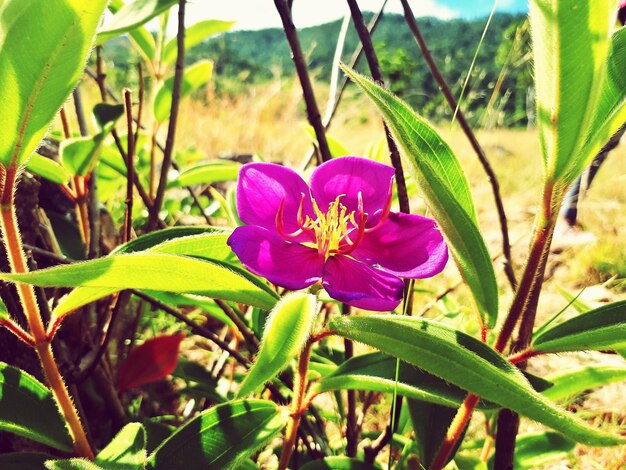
[[340, 232]]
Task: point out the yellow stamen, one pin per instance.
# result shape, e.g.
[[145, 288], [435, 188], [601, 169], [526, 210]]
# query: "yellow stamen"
[[331, 227]]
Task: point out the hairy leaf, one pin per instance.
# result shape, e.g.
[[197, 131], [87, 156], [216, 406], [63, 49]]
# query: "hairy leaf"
[[220, 437], [467, 363], [443, 185], [194, 35], [37, 74], [286, 331]]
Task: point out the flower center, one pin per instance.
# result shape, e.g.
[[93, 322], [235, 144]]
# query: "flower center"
[[336, 231], [332, 227]]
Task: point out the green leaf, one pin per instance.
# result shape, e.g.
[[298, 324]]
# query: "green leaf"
[[537, 450], [127, 450], [207, 305], [153, 271], [152, 239], [441, 179], [37, 75], [4, 311], [467, 363], [28, 409], [571, 383], [338, 463], [194, 35], [337, 149], [105, 113], [207, 173], [47, 168], [611, 111], [139, 36], [72, 464], [602, 328], [211, 245], [194, 77], [220, 437], [570, 49], [286, 331], [132, 15], [430, 424], [377, 372]]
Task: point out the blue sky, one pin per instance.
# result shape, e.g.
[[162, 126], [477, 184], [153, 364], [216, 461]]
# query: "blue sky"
[[257, 14]]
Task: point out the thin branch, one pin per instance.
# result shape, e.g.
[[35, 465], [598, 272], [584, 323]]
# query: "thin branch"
[[199, 329], [251, 340], [374, 66], [120, 303], [130, 167], [493, 179], [312, 111], [171, 128], [335, 97], [79, 110]]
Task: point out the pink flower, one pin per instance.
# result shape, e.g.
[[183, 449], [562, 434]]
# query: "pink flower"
[[340, 232]]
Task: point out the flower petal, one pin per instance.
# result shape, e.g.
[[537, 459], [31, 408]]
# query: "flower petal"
[[350, 176], [266, 254], [356, 284], [406, 245], [263, 187]]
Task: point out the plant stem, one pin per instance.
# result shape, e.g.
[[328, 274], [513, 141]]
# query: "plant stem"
[[297, 406], [455, 431], [312, 111], [527, 296], [171, 127], [17, 261], [374, 66]]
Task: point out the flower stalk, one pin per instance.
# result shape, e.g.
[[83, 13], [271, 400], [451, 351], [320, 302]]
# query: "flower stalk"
[[299, 405], [41, 341]]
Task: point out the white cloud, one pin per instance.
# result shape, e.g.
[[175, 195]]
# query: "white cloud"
[[258, 14]]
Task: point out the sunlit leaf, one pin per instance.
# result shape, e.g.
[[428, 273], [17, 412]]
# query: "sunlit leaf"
[[602, 328], [570, 50], [537, 450], [220, 437], [571, 383], [127, 450], [132, 15], [47, 168], [152, 271], [467, 363], [444, 187], [194, 35], [286, 331], [207, 173], [37, 74]]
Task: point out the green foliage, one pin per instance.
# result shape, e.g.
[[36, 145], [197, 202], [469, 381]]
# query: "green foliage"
[[47, 168], [194, 35], [132, 15], [220, 437], [442, 181], [206, 173], [377, 372], [37, 75], [468, 363], [155, 271], [127, 450], [574, 57], [599, 329], [28, 409], [286, 330], [567, 385], [538, 449]]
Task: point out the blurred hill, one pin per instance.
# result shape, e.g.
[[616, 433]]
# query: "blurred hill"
[[247, 57]]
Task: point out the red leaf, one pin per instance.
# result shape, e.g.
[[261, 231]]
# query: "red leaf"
[[152, 361]]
